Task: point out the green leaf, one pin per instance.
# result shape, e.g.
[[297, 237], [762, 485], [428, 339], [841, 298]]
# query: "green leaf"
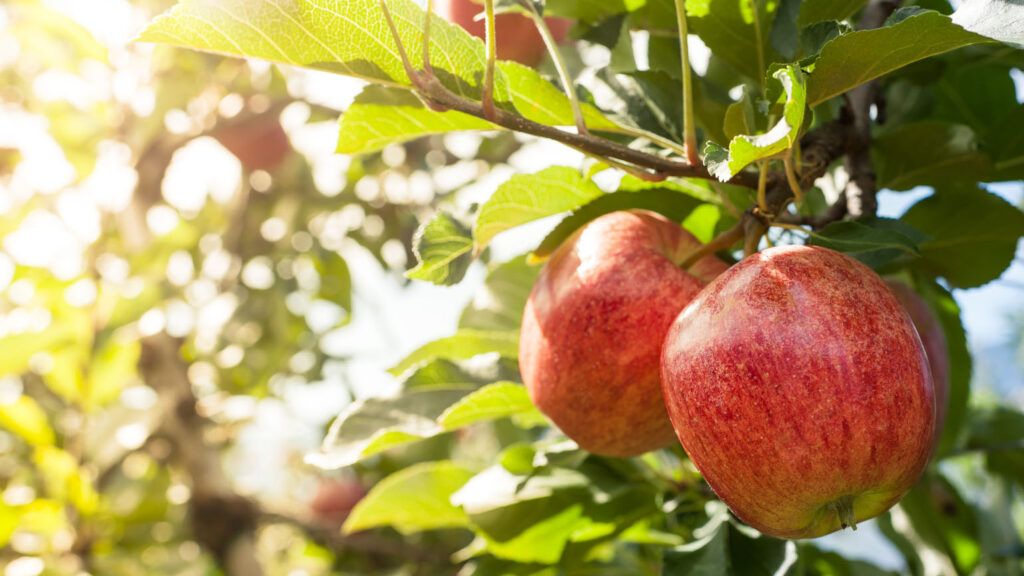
[[928, 153], [113, 367], [26, 419], [412, 500], [380, 116], [335, 279], [463, 345], [528, 197], [818, 561], [1006, 143], [974, 234], [65, 480], [998, 432], [665, 201], [374, 425], [442, 247], [947, 311], [745, 149], [1002, 20], [498, 400], [725, 549], [525, 518], [812, 11], [875, 242], [351, 37], [785, 36], [858, 57], [941, 520], [499, 303], [731, 30], [590, 12]]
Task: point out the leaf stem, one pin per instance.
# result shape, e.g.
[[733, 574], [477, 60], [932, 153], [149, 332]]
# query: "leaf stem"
[[762, 186], [689, 127], [487, 94], [563, 70], [793, 180], [403, 56]]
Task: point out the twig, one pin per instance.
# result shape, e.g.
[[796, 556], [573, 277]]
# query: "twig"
[[862, 189], [438, 97], [762, 185]]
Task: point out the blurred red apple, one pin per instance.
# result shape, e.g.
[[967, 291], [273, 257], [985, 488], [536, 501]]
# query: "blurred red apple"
[[259, 143], [934, 340], [800, 389], [594, 324], [517, 37], [335, 499]]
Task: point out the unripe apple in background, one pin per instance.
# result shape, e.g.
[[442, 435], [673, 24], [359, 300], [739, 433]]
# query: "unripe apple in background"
[[259, 143], [934, 340], [798, 385], [594, 324], [517, 36], [335, 499]]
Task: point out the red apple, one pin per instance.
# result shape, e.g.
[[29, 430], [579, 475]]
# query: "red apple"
[[335, 499], [517, 37], [593, 327], [259, 143], [800, 389], [934, 340]]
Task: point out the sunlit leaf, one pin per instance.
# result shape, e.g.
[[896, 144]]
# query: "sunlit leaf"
[[26, 419], [852, 59], [744, 149], [413, 500], [528, 197], [498, 400], [442, 247], [463, 345]]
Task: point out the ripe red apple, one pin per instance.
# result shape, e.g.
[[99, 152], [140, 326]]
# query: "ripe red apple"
[[594, 324], [259, 143], [517, 37], [800, 389], [335, 499], [934, 340]]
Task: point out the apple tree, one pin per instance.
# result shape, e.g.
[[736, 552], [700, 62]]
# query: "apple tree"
[[713, 142]]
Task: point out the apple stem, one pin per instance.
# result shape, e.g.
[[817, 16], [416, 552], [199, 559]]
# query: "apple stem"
[[689, 127], [721, 242], [487, 96], [844, 509], [563, 70]]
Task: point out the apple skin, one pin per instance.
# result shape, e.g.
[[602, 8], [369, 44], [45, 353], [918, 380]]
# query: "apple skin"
[[335, 499], [933, 337], [594, 324], [798, 385], [517, 36], [259, 143]]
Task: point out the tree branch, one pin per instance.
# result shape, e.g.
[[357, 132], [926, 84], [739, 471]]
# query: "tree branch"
[[862, 189]]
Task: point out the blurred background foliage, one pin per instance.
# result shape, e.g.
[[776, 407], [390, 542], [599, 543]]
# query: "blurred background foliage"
[[194, 285]]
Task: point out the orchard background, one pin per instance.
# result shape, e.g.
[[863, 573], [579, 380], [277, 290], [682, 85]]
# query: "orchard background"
[[238, 337]]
